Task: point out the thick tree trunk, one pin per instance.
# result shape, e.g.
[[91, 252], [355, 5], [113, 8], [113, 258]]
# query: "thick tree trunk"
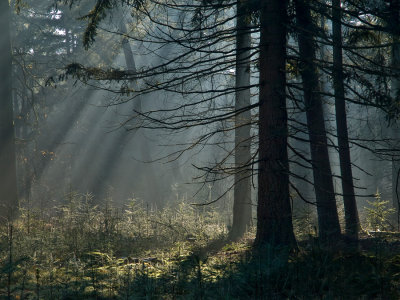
[[274, 215], [328, 221], [395, 90], [242, 190], [8, 177], [349, 199]]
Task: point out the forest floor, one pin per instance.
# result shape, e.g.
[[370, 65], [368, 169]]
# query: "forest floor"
[[88, 252]]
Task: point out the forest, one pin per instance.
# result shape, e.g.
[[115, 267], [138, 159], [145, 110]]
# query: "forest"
[[200, 149]]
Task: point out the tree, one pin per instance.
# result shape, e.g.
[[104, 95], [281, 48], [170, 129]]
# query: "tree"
[[274, 216], [378, 32], [204, 52], [242, 206], [199, 36], [394, 24], [8, 177], [44, 38], [328, 221], [350, 205]]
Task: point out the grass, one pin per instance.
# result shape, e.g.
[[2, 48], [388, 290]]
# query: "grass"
[[99, 252]]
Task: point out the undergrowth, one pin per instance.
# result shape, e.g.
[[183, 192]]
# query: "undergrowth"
[[86, 251]]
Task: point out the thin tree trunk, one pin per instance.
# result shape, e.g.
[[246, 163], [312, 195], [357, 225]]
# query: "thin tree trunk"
[[328, 221], [21, 132], [242, 191], [349, 199], [8, 177], [274, 214]]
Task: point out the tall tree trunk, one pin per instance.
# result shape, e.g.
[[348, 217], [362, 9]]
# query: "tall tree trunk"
[[24, 173], [328, 221], [395, 90], [8, 177], [349, 199], [274, 215], [242, 190]]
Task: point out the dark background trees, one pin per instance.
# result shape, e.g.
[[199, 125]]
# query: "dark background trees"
[[8, 179]]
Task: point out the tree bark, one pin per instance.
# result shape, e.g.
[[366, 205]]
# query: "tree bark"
[[395, 91], [274, 215], [242, 190], [8, 177], [349, 199], [328, 221]]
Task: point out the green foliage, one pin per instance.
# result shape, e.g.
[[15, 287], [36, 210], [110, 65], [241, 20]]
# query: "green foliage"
[[98, 13], [86, 251], [82, 251], [378, 214], [305, 223]]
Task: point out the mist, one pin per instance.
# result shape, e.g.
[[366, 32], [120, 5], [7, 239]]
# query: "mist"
[[179, 144]]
